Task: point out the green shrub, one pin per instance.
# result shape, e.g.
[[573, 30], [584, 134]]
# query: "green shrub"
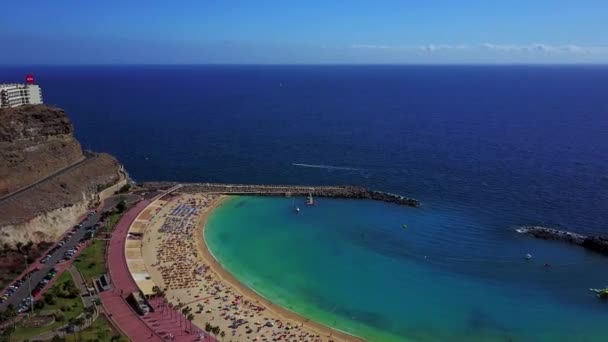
[[121, 206], [125, 188], [39, 304], [56, 338], [49, 298], [59, 316]]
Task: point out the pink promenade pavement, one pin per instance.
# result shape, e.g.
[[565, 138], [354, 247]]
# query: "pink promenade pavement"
[[164, 324]]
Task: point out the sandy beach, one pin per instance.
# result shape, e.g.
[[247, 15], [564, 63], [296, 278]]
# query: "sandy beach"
[[177, 259]]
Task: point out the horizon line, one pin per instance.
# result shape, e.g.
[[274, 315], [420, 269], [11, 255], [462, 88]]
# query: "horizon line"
[[310, 64]]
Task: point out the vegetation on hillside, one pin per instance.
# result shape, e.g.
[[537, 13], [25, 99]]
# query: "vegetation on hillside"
[[12, 259], [61, 302]]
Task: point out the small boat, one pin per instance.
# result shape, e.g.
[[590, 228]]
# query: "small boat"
[[404, 226], [528, 256], [310, 201], [295, 207]]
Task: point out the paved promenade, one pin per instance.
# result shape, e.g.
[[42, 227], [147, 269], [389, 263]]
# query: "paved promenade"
[[162, 325]]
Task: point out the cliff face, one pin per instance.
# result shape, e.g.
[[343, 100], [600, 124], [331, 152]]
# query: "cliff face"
[[45, 212], [35, 142]]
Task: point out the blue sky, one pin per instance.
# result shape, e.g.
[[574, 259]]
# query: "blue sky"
[[251, 32]]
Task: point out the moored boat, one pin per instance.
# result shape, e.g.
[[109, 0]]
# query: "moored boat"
[[310, 201]]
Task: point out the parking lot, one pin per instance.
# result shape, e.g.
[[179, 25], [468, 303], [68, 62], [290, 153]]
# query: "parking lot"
[[44, 269]]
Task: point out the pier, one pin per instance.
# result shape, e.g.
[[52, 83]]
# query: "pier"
[[597, 244], [337, 191]]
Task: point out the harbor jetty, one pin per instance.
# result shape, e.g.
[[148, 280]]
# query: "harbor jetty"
[[597, 244], [338, 191]]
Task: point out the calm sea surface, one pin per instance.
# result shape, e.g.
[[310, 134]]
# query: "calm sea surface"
[[484, 148]]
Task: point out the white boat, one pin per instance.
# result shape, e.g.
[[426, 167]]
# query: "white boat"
[[528, 256], [295, 207], [311, 201]]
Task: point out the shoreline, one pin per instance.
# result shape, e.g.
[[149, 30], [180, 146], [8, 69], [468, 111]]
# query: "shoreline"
[[207, 257]]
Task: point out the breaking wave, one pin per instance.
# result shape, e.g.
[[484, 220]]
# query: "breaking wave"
[[326, 167]]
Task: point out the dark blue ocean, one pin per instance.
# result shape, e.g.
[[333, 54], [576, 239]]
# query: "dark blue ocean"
[[484, 148], [515, 144]]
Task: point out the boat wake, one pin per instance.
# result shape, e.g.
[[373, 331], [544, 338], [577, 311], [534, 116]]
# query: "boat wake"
[[326, 167]]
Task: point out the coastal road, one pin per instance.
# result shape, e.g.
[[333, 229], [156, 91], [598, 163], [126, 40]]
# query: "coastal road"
[[23, 291], [16, 193]]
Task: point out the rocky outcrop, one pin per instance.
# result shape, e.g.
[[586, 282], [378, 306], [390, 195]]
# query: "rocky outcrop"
[[355, 192], [35, 142], [46, 181], [597, 244]]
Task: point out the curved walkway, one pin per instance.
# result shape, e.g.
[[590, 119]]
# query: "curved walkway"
[[162, 324], [113, 301]]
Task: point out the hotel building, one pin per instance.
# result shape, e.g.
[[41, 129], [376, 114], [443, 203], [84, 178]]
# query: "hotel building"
[[15, 94]]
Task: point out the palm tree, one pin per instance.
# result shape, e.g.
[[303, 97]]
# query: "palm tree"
[[183, 314], [187, 311], [155, 290], [190, 317], [164, 296], [170, 305], [89, 311], [208, 328], [161, 298], [215, 330], [179, 307], [165, 302]]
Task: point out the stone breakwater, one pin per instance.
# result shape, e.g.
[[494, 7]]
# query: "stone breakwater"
[[597, 244], [346, 191]]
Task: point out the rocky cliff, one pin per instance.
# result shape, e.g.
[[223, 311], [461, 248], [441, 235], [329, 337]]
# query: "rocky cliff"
[[35, 142], [37, 147]]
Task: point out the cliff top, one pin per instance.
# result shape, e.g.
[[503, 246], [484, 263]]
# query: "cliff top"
[[33, 121]]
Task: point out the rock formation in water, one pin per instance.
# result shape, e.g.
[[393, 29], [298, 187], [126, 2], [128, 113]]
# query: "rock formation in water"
[[597, 244], [37, 147]]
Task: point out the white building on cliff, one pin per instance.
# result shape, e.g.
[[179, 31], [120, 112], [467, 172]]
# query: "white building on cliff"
[[17, 94]]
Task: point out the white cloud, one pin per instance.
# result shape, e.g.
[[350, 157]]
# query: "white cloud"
[[441, 47], [511, 48], [425, 48], [371, 46], [545, 48]]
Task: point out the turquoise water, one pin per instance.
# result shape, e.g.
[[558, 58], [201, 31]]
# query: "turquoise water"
[[448, 276]]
